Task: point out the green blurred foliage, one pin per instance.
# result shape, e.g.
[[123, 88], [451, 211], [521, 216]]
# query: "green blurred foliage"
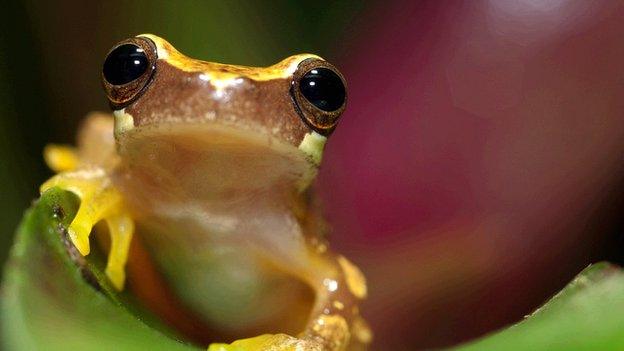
[[584, 316], [50, 56], [49, 304]]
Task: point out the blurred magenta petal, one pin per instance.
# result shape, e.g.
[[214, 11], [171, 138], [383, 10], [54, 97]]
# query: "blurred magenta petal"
[[480, 140]]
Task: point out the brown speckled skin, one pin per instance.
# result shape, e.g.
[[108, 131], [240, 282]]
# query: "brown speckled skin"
[[179, 89], [178, 96]]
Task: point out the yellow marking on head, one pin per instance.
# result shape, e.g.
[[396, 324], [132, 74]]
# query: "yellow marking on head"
[[123, 121], [222, 74], [354, 277], [60, 158], [313, 145]]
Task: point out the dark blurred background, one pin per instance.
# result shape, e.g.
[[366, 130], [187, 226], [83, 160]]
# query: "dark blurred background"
[[478, 168]]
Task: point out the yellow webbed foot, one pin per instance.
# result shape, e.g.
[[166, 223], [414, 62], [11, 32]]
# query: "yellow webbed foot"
[[99, 200]]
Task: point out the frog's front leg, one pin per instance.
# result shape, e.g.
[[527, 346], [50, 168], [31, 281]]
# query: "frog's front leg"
[[335, 323], [340, 286], [99, 200]]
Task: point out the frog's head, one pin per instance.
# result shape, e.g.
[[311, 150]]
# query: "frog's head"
[[155, 91]]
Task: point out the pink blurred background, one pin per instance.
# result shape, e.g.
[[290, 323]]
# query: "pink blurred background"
[[479, 166]]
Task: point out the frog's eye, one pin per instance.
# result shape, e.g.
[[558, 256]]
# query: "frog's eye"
[[319, 94], [128, 69]]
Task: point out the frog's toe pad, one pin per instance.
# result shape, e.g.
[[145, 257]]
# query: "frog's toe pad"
[[266, 342], [79, 236], [116, 275]]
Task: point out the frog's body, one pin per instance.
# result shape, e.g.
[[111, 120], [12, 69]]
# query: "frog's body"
[[214, 161]]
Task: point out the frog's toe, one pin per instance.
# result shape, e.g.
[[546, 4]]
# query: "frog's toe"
[[60, 158], [121, 228], [277, 342], [117, 276], [79, 236]]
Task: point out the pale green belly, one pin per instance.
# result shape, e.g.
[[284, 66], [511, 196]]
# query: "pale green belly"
[[228, 286]]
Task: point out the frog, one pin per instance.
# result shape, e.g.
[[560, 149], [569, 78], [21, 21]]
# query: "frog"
[[210, 156]]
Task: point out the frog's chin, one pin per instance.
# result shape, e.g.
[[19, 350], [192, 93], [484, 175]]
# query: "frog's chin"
[[208, 158]]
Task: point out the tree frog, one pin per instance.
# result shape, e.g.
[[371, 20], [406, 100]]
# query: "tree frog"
[[212, 158]]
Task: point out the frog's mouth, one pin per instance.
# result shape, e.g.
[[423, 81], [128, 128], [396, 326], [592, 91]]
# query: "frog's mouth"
[[215, 157], [311, 145], [211, 291]]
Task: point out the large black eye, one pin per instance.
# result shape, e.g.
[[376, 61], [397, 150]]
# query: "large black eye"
[[323, 88], [124, 64], [128, 69], [319, 94]]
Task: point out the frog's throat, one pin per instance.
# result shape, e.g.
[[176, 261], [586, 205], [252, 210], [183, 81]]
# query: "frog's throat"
[[312, 144]]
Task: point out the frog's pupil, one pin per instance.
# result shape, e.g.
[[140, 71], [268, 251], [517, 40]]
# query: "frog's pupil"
[[124, 64], [323, 88]]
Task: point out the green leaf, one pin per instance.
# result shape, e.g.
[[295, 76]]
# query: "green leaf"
[[47, 304], [51, 302], [588, 314]]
